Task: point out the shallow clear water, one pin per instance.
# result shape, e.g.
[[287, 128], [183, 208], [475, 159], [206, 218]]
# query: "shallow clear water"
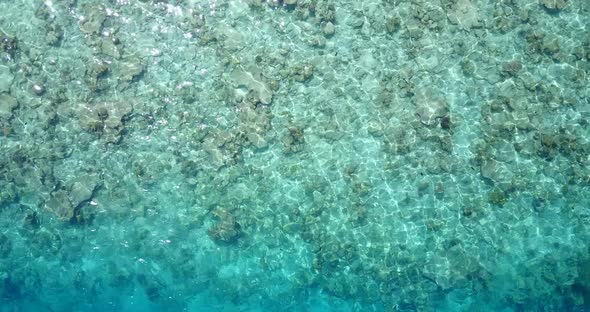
[[321, 155]]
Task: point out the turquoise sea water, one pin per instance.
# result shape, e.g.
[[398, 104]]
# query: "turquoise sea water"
[[294, 155]]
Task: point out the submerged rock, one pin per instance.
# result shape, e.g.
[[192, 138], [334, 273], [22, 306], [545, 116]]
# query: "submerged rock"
[[66, 203], [430, 108], [227, 230], [5, 246], [293, 140], [554, 5], [129, 69], [6, 78], [82, 189], [328, 29], [93, 18], [45, 242], [464, 14], [38, 89], [257, 140], [251, 80], [8, 47], [7, 105], [106, 119], [60, 205], [302, 73]]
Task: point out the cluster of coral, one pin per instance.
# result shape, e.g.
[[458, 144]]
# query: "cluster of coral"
[[389, 155]]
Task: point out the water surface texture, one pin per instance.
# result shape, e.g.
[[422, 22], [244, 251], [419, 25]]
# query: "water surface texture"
[[294, 155]]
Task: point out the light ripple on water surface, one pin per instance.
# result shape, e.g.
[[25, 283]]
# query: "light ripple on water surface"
[[294, 155]]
